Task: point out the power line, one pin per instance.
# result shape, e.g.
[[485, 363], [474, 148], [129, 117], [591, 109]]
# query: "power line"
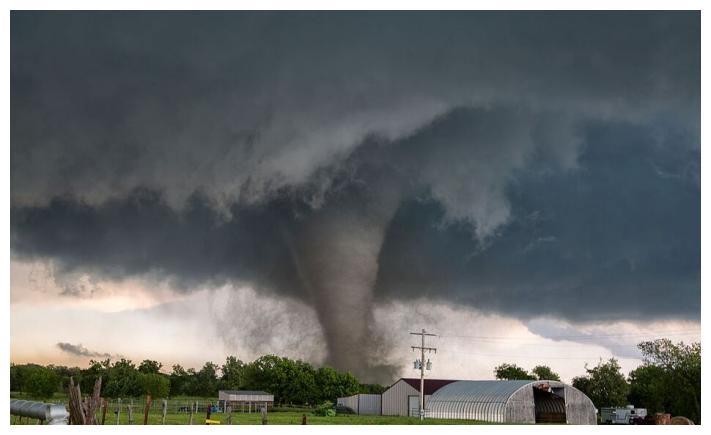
[[539, 357], [588, 336], [560, 346], [422, 367]]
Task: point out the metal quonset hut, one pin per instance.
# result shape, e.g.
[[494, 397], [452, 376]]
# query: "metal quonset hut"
[[512, 402]]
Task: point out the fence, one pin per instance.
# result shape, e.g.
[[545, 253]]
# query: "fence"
[[161, 411]]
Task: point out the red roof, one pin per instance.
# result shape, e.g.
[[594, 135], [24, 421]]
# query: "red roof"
[[431, 385]]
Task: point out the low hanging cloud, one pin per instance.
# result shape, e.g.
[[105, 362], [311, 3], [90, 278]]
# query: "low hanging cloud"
[[517, 162], [79, 350]]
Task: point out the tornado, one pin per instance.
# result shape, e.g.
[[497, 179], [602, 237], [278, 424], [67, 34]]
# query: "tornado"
[[337, 261]]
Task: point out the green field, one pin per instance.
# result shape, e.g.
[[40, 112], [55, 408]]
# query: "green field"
[[280, 416], [288, 417]]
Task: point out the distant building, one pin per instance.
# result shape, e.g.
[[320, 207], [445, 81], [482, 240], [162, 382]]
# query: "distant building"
[[244, 400], [363, 404], [403, 397], [491, 401], [512, 402]]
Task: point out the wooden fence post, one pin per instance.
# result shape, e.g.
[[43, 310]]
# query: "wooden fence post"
[[165, 410], [83, 410], [105, 404], [118, 412], [303, 419], [130, 412], [191, 412], [149, 400], [228, 410]]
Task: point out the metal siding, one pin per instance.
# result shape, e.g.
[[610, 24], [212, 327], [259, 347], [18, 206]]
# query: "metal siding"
[[249, 398], [504, 402], [394, 399], [369, 404], [473, 400], [579, 409], [520, 407], [350, 402]]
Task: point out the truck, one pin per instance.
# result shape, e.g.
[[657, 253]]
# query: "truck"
[[626, 415]]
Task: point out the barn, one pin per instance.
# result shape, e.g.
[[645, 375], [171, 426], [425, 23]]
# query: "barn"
[[244, 400], [363, 404], [512, 402], [403, 397]]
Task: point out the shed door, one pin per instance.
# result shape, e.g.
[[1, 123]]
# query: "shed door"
[[413, 406]]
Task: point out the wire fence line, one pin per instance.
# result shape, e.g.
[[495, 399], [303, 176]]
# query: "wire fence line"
[[162, 411]]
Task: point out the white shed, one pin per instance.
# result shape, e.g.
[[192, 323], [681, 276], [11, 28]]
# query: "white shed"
[[245, 400], [364, 404]]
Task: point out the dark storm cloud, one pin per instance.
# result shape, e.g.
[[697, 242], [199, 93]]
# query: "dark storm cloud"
[[242, 104], [526, 163], [618, 228], [79, 350]]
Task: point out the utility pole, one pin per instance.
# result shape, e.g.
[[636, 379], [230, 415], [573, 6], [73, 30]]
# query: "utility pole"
[[422, 367]]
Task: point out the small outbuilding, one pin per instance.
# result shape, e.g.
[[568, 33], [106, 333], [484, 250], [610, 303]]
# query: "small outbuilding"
[[512, 402], [245, 400], [403, 397], [363, 404]]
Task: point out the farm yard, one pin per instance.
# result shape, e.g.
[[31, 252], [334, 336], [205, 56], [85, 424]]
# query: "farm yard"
[[292, 389], [178, 414]]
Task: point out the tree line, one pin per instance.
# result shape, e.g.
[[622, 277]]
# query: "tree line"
[[669, 379], [290, 381]]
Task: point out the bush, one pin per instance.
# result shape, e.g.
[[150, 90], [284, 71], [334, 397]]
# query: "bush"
[[157, 385], [325, 410], [39, 382]]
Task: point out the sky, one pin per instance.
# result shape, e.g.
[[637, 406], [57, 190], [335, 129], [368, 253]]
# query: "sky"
[[191, 185]]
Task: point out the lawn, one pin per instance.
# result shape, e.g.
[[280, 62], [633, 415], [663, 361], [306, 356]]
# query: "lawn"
[[280, 418], [273, 417]]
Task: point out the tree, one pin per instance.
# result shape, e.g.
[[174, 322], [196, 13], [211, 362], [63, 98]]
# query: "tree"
[[39, 382], [179, 381], [604, 384], [149, 366], [545, 373], [582, 383], [232, 373], [15, 377], [331, 384], [511, 372], [64, 373], [649, 389], [155, 384], [371, 389], [290, 381], [672, 373], [122, 380], [91, 374], [206, 381]]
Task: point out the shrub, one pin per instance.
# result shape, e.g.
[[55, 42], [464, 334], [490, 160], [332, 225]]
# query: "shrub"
[[325, 410]]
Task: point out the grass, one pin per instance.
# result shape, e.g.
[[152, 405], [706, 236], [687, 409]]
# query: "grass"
[[277, 417]]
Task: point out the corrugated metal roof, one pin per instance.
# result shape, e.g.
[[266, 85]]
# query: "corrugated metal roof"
[[246, 392], [490, 391], [480, 400], [431, 385]]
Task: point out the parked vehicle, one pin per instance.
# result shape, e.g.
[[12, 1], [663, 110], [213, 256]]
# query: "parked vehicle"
[[626, 415]]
